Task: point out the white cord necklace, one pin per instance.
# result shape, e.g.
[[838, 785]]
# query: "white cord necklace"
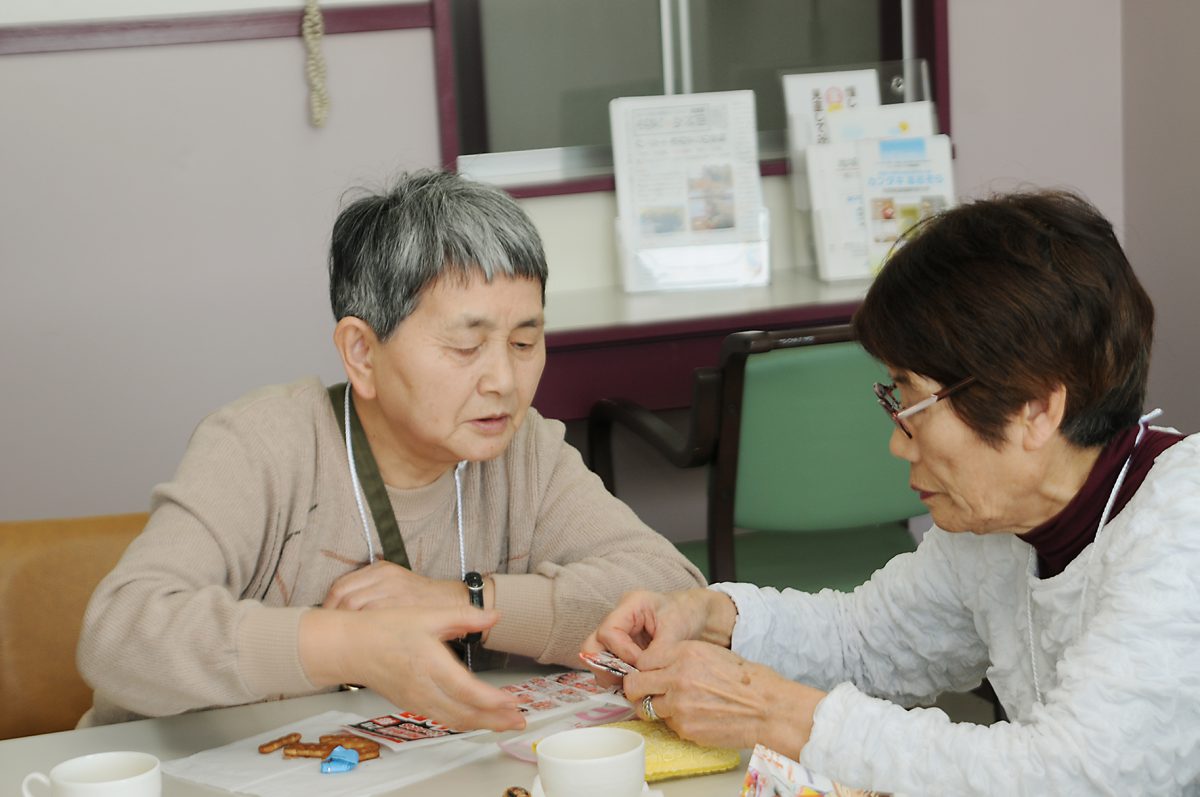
[[362, 512], [462, 547], [1112, 497]]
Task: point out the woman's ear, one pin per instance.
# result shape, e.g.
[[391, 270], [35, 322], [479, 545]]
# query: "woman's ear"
[[355, 341], [1042, 418]]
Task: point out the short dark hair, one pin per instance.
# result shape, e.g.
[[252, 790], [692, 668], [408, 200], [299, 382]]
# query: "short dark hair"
[[1024, 292], [388, 247]]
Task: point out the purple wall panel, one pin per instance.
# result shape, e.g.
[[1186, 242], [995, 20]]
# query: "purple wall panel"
[[651, 364], [201, 28]]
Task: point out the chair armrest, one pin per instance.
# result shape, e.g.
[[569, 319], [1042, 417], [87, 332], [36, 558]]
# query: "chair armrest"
[[683, 451]]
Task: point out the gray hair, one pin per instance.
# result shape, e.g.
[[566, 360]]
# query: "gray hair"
[[388, 248]]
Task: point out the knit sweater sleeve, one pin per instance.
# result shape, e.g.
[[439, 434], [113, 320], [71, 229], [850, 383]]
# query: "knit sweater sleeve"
[[1123, 717], [1120, 711], [587, 548], [904, 635], [179, 623]]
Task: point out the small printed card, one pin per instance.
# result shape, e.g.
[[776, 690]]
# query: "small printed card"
[[405, 729], [608, 663], [539, 696]]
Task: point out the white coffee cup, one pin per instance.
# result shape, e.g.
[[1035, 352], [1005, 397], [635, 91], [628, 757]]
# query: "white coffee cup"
[[592, 762], [120, 774]]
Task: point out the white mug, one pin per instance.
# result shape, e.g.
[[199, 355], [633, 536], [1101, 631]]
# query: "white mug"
[[121, 774], [592, 762]]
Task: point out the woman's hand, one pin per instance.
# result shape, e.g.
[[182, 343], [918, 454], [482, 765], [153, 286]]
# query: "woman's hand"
[[643, 620], [400, 654], [712, 696], [386, 585]]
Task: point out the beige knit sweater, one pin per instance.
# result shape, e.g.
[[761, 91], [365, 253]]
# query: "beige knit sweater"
[[204, 607]]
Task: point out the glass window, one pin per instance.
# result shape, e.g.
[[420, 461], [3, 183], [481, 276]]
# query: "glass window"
[[534, 77]]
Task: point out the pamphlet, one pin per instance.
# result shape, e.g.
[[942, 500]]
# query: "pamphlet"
[[904, 181], [812, 100], [537, 698], [689, 195], [839, 222], [897, 120], [836, 188]]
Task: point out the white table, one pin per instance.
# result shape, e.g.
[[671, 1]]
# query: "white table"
[[175, 737]]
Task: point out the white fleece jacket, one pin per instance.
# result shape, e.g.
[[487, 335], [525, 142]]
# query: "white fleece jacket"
[[1115, 636]]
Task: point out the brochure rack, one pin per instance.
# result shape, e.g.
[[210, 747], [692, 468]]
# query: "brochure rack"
[[692, 266]]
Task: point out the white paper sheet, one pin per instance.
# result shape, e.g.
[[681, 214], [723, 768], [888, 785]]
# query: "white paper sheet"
[[240, 768]]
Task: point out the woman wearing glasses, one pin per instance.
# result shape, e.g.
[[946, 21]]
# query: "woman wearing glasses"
[[1061, 566]]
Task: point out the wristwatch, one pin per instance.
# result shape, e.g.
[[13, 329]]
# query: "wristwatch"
[[474, 583]]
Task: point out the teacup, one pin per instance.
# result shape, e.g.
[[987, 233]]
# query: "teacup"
[[592, 762], [119, 774]]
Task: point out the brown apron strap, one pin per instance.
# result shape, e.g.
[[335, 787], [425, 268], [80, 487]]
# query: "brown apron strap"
[[370, 480]]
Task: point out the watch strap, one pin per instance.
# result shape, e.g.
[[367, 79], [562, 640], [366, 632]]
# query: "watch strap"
[[474, 582]]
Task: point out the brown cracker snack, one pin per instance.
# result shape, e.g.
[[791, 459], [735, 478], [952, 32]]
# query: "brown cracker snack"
[[307, 750], [350, 741], [275, 744], [293, 747]]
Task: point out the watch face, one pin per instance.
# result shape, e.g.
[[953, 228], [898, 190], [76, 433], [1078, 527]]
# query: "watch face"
[[474, 583]]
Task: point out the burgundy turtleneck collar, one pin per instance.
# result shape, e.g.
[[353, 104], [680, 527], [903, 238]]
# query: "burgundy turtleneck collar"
[[1060, 539]]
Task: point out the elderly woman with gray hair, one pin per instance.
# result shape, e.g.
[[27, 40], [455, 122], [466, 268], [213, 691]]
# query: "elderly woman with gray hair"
[[1062, 565], [313, 537]]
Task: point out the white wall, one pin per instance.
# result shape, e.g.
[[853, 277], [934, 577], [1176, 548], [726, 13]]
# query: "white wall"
[[1036, 98], [164, 224], [1095, 95], [1162, 171]]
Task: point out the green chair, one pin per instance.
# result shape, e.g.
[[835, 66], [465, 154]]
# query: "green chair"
[[797, 450]]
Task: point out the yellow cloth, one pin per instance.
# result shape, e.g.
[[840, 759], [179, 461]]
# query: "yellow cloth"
[[668, 756]]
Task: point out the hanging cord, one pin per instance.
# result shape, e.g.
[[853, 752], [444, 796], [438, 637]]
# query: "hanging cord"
[[362, 512], [1143, 422], [313, 30], [1112, 497], [462, 546]]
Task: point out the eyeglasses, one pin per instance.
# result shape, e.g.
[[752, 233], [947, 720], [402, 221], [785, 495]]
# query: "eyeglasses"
[[886, 394]]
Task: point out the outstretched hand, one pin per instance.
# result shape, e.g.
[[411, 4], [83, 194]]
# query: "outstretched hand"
[[400, 653]]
